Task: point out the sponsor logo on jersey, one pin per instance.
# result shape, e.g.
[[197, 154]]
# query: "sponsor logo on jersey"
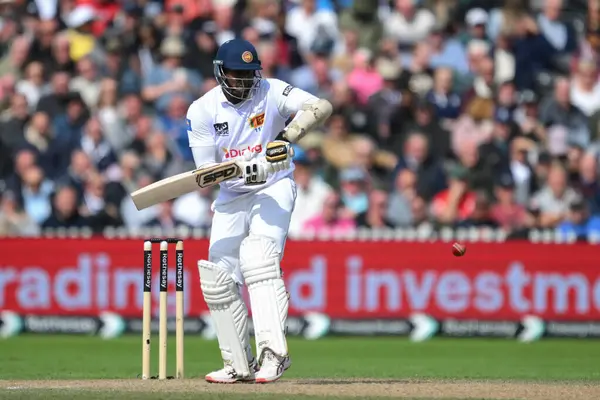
[[221, 129], [189, 124], [233, 153], [287, 90], [257, 121]]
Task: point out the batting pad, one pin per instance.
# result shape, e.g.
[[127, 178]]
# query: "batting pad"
[[229, 314], [259, 263]]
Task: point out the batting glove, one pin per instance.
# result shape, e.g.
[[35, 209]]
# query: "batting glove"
[[279, 154], [254, 170]]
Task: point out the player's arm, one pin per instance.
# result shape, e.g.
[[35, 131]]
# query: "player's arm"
[[202, 142], [309, 111]]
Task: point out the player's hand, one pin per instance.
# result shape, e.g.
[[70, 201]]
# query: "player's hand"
[[279, 154], [254, 170]]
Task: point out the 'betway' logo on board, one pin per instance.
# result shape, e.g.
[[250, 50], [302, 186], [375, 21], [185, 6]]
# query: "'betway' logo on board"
[[233, 153]]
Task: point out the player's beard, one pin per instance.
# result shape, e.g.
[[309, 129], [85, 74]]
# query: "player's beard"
[[241, 87]]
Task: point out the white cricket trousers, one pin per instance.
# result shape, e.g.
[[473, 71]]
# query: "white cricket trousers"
[[265, 213]]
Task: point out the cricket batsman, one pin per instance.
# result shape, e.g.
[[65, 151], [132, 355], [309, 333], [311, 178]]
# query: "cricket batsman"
[[244, 117]]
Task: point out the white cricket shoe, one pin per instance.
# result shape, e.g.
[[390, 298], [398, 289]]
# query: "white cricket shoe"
[[228, 374], [272, 366]]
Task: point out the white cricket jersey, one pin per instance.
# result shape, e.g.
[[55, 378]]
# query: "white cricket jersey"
[[233, 130]]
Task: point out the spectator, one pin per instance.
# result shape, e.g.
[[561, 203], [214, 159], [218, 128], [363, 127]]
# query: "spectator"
[[142, 129], [338, 143], [307, 24], [408, 24], [481, 217], [476, 20], [478, 101], [354, 188], [165, 219], [527, 117], [174, 124], [35, 194], [64, 211], [49, 148], [521, 170], [456, 203], [13, 64], [417, 157], [447, 103], [88, 82], [426, 122], [417, 77], [560, 35], [108, 114], [506, 102], [496, 151], [504, 59], [589, 182], [364, 79], [95, 145], [560, 111], [311, 192], [506, 18], [98, 206], [78, 172], [14, 221], [55, 102], [170, 78], [362, 18], [160, 161], [333, 220], [33, 84], [61, 55], [204, 48], [420, 218], [552, 202], [81, 38], [399, 211], [382, 104], [70, 125], [446, 51], [585, 88], [506, 212], [345, 104], [13, 123], [375, 216], [269, 62], [579, 222], [316, 77]]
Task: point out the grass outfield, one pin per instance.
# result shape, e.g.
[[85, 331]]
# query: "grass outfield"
[[340, 368]]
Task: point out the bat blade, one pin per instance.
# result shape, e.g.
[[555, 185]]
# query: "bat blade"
[[216, 174], [178, 185]]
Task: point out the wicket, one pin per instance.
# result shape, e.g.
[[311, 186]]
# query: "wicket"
[[162, 316]]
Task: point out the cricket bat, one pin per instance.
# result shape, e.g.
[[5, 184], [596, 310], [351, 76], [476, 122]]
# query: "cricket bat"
[[186, 182], [178, 185]]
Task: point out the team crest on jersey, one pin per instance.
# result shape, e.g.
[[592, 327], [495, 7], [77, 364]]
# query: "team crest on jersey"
[[247, 57], [257, 121], [221, 129]]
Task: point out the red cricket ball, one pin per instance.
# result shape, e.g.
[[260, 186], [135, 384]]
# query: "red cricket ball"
[[458, 249]]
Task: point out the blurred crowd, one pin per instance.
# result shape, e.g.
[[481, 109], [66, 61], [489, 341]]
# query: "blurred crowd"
[[459, 113]]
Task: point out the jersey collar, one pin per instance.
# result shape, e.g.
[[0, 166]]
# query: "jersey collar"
[[223, 100]]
